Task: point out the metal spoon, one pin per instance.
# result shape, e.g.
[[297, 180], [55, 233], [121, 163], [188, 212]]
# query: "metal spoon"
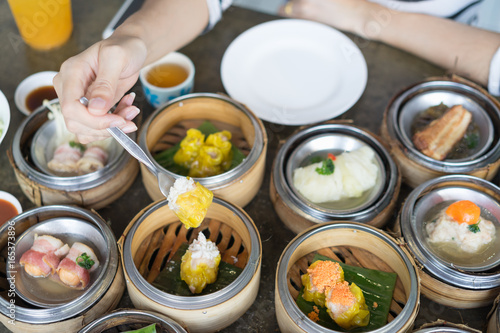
[[164, 181]]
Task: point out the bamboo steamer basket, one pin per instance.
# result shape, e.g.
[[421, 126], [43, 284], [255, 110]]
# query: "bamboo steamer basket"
[[19, 316], [418, 168], [442, 281], [130, 317], [494, 318], [442, 326], [169, 123], [154, 236], [95, 190], [374, 207], [355, 244]]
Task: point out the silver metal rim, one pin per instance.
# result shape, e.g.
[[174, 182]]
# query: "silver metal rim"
[[95, 292], [308, 325], [77, 183], [457, 278], [97, 325], [459, 166], [221, 180], [308, 211], [194, 302]]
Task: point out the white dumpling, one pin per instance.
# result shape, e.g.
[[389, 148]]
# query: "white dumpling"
[[355, 172]]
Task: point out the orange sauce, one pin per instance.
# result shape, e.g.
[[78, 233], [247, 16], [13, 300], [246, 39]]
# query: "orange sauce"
[[167, 75], [36, 97], [7, 211]]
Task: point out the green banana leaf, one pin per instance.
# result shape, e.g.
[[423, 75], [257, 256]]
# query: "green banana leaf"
[[169, 279], [148, 329], [166, 157], [377, 287]]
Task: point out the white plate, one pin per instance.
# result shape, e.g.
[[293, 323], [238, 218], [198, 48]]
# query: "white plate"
[[294, 72], [4, 116]]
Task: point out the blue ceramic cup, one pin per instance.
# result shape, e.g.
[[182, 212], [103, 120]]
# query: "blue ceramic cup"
[[167, 78]]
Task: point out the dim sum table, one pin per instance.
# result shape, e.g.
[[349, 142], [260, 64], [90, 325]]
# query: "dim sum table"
[[389, 71]]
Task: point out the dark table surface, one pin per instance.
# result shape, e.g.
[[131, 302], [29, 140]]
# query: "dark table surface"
[[389, 71]]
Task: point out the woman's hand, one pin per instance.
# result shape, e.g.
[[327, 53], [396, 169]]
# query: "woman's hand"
[[103, 73]]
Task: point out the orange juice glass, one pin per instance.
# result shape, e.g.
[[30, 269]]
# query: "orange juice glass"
[[43, 24]]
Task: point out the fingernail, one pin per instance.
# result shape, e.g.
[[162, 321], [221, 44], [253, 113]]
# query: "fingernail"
[[97, 103], [117, 123], [129, 128], [132, 113]]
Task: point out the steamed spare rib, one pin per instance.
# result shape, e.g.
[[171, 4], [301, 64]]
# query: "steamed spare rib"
[[43, 258], [441, 135]]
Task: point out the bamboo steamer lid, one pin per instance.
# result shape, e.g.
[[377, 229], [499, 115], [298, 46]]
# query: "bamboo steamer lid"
[[156, 230], [406, 104], [359, 244], [374, 206], [72, 316], [94, 190], [167, 126]]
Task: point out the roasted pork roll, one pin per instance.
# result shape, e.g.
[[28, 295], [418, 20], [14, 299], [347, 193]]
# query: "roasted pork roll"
[[44, 256], [66, 158], [93, 159], [74, 270]]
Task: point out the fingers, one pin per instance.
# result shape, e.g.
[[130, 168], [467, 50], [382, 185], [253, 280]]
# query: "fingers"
[[103, 91], [125, 108]]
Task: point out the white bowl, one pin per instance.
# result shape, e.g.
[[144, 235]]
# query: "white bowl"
[[32, 82], [4, 116], [12, 199]]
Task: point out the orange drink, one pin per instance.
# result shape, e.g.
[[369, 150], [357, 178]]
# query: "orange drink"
[[43, 24]]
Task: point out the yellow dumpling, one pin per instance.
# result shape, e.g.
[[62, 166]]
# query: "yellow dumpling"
[[189, 201], [200, 264], [346, 305], [222, 140], [319, 277], [189, 147], [207, 163]]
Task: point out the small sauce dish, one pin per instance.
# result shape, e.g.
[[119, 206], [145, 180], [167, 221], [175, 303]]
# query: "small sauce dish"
[[9, 207], [31, 92]]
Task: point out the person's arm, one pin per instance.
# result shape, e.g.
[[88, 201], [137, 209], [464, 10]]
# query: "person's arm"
[[108, 69], [463, 49]]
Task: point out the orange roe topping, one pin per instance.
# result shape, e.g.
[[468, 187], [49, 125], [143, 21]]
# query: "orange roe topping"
[[314, 315], [342, 295], [324, 274], [331, 156], [464, 211]]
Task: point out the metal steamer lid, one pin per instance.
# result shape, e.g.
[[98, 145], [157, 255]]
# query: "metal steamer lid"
[[91, 296], [213, 182], [142, 316], [74, 183], [193, 302], [315, 213], [438, 267], [310, 326], [431, 93]]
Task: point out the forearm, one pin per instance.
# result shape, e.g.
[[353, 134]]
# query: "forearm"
[[463, 49], [165, 25]]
